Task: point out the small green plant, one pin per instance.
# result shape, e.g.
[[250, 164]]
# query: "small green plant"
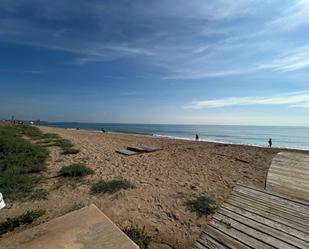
[[75, 170], [63, 143], [110, 186], [138, 235], [68, 151], [11, 223], [77, 206], [51, 136], [202, 205], [38, 195]]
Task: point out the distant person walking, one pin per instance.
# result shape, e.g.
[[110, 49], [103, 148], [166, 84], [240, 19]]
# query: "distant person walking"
[[270, 143], [196, 137]]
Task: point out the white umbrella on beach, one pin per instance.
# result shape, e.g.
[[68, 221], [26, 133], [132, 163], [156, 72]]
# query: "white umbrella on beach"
[[2, 204]]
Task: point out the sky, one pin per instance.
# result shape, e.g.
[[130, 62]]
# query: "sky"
[[165, 61]]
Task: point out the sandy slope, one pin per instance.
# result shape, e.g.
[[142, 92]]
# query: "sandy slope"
[[164, 181]]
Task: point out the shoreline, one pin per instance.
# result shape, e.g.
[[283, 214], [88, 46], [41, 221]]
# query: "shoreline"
[[180, 138]]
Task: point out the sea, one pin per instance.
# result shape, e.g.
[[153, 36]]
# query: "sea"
[[282, 136]]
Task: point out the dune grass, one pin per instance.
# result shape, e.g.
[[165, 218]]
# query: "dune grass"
[[138, 235], [11, 223], [110, 187], [202, 205], [69, 151], [76, 170], [20, 163], [49, 139]]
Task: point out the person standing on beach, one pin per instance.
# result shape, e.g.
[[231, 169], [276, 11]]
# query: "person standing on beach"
[[196, 137], [270, 143]]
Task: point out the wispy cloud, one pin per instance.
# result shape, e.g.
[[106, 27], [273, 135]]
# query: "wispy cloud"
[[296, 15], [203, 75], [296, 59], [184, 40], [295, 99]]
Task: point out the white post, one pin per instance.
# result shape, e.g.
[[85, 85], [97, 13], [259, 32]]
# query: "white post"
[[2, 204]]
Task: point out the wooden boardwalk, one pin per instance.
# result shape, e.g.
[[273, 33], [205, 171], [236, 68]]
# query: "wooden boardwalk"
[[289, 174], [255, 218], [277, 217]]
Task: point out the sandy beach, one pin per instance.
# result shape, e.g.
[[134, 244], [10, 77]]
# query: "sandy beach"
[[164, 181]]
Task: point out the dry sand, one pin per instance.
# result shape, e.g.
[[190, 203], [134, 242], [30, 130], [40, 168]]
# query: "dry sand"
[[164, 181]]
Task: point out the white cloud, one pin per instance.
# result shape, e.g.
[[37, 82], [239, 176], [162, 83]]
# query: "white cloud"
[[296, 59], [296, 99], [189, 40], [296, 15], [202, 75]]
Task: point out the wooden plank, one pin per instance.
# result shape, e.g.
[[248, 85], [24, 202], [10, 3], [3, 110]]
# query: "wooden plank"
[[283, 196], [277, 224], [236, 231], [267, 230], [150, 149], [270, 213], [303, 175], [274, 206], [285, 181], [287, 190], [127, 152], [208, 242], [230, 241], [275, 200], [136, 149], [289, 174], [258, 239]]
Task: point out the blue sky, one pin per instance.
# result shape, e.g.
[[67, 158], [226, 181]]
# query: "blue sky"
[[163, 61]]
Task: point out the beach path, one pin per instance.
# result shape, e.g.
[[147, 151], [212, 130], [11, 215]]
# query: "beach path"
[[277, 217], [85, 228], [289, 174], [255, 218]]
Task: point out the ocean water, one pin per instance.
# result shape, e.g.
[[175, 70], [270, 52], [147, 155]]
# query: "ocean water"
[[282, 137]]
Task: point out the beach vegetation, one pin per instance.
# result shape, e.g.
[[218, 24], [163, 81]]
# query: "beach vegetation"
[[38, 195], [21, 163], [202, 205], [76, 170], [11, 223], [70, 151], [138, 235], [110, 187], [77, 206]]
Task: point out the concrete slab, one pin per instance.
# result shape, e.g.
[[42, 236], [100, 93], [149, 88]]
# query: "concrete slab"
[[87, 228]]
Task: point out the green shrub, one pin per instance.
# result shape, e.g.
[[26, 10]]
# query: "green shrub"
[[19, 159], [63, 143], [74, 170], [51, 136], [32, 132], [69, 151], [202, 205], [110, 186], [138, 235], [39, 194], [77, 206], [11, 223]]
